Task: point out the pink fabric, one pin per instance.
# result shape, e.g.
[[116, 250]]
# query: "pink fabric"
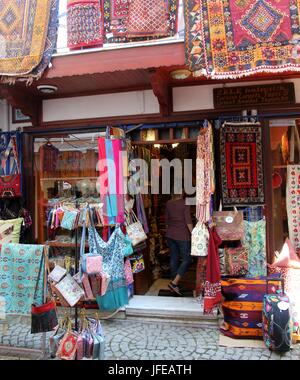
[[287, 257], [117, 148], [241, 7], [103, 179]]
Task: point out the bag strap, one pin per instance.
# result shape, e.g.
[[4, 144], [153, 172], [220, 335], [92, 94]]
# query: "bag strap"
[[93, 229], [38, 278]]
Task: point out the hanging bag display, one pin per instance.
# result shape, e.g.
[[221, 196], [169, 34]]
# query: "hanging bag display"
[[91, 263], [135, 229], [293, 190], [68, 344], [10, 178], [43, 317], [229, 224]]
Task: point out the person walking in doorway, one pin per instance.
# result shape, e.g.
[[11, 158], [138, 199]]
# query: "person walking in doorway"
[[179, 228]]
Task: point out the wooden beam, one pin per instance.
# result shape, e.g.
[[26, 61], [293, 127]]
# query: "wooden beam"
[[160, 85], [29, 105]]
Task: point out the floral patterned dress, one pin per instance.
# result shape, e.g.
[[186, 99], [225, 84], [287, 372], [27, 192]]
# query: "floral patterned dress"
[[113, 252]]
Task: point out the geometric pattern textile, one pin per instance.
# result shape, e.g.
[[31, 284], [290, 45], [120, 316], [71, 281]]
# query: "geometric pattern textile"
[[236, 38], [19, 268], [23, 32], [117, 14], [50, 44], [147, 19], [84, 23], [241, 163]]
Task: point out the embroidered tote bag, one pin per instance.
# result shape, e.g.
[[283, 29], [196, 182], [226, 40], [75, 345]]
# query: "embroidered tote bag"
[[229, 224], [67, 346], [43, 317], [293, 191], [237, 261], [91, 263], [10, 178], [137, 263], [200, 236], [134, 229], [70, 290], [69, 220]]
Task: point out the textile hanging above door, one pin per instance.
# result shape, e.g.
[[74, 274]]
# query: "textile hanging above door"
[[241, 163], [50, 44], [19, 268], [84, 23], [137, 20], [147, 18], [23, 33], [235, 38]]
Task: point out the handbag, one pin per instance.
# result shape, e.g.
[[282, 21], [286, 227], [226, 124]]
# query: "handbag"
[[70, 290], [69, 220], [200, 237], [10, 180], [128, 272], [229, 224], [57, 273], [91, 263], [137, 263], [67, 346], [135, 229], [55, 339], [43, 317], [236, 261]]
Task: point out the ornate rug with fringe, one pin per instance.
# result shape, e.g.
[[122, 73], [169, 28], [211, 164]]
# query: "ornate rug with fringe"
[[235, 38], [23, 33]]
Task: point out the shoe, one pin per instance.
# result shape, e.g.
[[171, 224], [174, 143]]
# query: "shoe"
[[174, 288]]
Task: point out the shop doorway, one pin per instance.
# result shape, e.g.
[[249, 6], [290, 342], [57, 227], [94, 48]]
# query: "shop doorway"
[[155, 279]]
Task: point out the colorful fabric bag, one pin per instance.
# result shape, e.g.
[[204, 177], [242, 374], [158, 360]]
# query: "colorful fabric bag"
[[137, 263], [91, 263], [128, 272], [43, 317], [135, 229], [237, 261], [67, 346], [69, 220], [70, 290], [200, 236], [229, 224], [10, 178]]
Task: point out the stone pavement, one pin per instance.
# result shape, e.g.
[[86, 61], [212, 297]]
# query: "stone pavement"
[[137, 340]]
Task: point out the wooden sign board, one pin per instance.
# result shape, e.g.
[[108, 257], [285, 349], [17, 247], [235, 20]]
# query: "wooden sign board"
[[260, 95]]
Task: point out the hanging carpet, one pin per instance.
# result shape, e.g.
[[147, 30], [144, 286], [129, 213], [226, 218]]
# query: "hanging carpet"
[[23, 34], [241, 163], [235, 38], [137, 20], [84, 23]]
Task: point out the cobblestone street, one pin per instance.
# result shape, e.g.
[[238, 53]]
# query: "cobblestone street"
[[135, 340]]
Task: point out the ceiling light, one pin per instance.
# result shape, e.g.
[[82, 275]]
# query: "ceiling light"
[[180, 74], [47, 89]]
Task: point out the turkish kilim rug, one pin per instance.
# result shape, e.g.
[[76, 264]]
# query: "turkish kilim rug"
[[23, 34], [234, 38], [241, 163], [137, 20], [84, 23]]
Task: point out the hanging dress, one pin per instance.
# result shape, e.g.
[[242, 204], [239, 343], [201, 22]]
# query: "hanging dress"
[[113, 252]]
